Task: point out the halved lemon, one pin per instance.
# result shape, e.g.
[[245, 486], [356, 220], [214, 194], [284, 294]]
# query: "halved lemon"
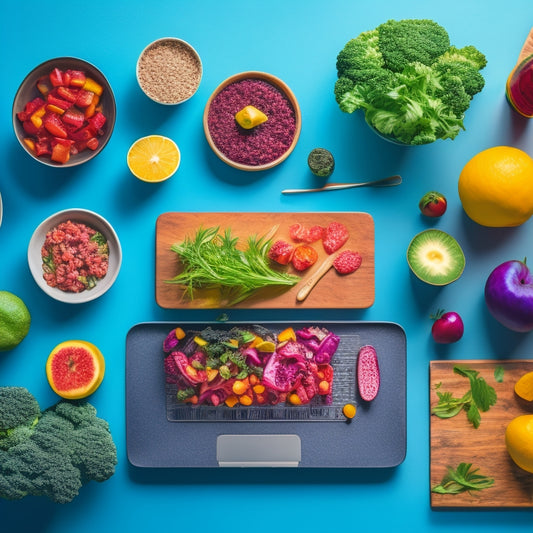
[[153, 158]]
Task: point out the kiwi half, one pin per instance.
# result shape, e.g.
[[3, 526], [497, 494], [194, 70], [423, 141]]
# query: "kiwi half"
[[435, 257]]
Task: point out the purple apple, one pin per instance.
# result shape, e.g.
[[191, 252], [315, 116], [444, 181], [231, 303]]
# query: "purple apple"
[[509, 295]]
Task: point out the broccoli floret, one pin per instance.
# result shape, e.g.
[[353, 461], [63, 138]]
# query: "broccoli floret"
[[472, 80], [406, 41], [66, 446], [413, 86], [453, 95]]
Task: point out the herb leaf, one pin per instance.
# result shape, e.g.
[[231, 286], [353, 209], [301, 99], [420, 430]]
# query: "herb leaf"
[[498, 374], [462, 479], [213, 260], [480, 397]]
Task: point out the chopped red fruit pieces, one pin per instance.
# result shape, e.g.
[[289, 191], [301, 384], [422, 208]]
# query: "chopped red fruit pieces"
[[66, 119], [347, 262]]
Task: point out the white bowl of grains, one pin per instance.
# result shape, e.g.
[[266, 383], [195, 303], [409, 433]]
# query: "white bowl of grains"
[[169, 71]]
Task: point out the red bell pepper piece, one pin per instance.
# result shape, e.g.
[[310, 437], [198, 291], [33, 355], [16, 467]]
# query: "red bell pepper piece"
[[83, 134], [68, 93], [30, 108], [92, 143], [84, 98], [53, 123], [44, 85], [77, 78], [58, 102], [30, 128], [42, 148], [97, 121], [56, 77], [60, 153], [74, 117]]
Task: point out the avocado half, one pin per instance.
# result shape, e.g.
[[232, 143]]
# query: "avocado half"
[[435, 257]]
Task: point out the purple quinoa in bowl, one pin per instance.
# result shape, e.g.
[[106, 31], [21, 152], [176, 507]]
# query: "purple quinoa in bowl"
[[265, 145]]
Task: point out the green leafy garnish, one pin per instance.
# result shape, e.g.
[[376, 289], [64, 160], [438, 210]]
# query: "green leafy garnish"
[[462, 479], [498, 374], [480, 397], [184, 394], [212, 260]]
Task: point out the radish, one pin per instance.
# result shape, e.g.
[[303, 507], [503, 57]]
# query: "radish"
[[447, 328], [368, 378]]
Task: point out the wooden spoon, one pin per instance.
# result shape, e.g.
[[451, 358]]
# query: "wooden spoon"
[[315, 277]]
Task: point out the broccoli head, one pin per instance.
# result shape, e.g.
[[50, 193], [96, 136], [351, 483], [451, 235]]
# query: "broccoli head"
[[413, 86], [402, 42], [58, 450]]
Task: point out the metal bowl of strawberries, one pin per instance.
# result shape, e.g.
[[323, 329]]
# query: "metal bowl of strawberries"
[[64, 112]]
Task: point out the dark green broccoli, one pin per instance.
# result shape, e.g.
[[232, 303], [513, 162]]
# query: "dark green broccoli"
[[321, 162], [54, 452], [413, 86]]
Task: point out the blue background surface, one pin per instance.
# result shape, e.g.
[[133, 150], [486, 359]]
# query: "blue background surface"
[[297, 41]]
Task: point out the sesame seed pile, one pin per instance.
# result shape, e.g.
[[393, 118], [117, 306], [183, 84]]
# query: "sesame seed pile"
[[169, 72]]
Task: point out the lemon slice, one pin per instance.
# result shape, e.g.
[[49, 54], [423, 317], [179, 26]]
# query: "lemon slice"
[[153, 158]]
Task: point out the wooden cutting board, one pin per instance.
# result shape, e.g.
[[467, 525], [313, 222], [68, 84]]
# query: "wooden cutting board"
[[455, 440], [332, 291]]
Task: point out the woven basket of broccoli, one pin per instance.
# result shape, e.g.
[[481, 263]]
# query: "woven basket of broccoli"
[[413, 86]]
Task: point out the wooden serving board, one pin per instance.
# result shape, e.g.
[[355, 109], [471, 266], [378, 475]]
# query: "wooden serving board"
[[332, 291], [455, 440]]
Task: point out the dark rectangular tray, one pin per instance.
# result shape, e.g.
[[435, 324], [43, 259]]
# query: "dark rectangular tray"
[[374, 438]]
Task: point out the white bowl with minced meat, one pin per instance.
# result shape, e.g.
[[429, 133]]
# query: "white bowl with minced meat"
[[74, 255]]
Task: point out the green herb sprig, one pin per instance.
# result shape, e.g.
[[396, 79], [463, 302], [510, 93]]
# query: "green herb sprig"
[[479, 398], [212, 260], [462, 479]]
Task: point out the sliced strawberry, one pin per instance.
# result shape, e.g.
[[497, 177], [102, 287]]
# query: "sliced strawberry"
[[304, 256], [335, 235], [74, 117], [281, 252], [56, 77], [84, 98]]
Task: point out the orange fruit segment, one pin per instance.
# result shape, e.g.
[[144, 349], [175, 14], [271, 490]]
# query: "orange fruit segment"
[[496, 187], [75, 369], [519, 441], [153, 158]]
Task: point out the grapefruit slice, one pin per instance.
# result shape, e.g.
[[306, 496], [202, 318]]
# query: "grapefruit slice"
[[75, 369]]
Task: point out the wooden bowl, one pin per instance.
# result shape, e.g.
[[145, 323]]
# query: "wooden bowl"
[[285, 91]]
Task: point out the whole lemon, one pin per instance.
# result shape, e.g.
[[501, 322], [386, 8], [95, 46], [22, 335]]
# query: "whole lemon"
[[15, 320], [496, 187], [519, 441]]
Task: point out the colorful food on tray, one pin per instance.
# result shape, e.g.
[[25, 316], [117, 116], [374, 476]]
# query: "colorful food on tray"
[[433, 204], [496, 187], [67, 118], [479, 398], [447, 327], [321, 162], [253, 366], [464, 478], [265, 142], [54, 452], [413, 86], [213, 260], [153, 158], [368, 376], [509, 295], [15, 321], [435, 257], [169, 71], [75, 369], [519, 441], [75, 257]]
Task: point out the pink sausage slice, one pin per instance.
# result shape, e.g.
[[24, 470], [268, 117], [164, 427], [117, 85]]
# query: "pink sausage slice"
[[368, 373]]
